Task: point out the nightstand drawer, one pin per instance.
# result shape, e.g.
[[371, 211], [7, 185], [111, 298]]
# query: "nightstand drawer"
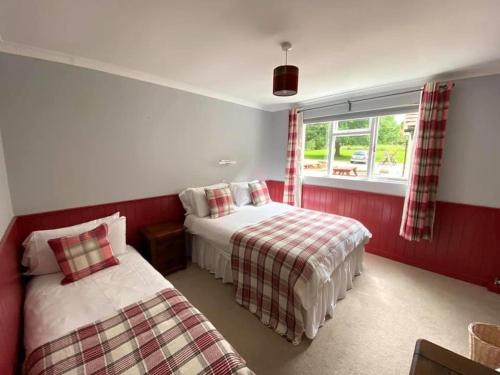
[[169, 255], [172, 241], [167, 250], [168, 261]]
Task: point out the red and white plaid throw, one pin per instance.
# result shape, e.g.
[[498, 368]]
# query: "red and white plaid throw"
[[420, 202], [163, 335], [270, 257], [220, 201]]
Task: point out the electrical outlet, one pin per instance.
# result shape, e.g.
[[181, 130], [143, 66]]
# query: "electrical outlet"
[[495, 286]]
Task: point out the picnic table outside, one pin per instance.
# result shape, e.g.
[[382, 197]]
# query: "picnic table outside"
[[345, 171], [314, 164]]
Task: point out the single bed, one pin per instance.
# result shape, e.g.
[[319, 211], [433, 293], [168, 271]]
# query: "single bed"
[[212, 242], [53, 310]]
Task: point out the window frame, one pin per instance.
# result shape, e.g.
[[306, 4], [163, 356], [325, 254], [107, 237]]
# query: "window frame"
[[371, 131]]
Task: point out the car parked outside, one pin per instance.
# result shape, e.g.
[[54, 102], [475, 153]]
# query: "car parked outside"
[[359, 157]]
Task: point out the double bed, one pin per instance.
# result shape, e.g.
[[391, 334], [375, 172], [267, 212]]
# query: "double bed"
[[214, 246], [55, 313]]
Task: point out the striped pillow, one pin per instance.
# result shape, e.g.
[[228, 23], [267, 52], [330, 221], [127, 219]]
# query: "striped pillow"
[[259, 193], [81, 255], [220, 201]]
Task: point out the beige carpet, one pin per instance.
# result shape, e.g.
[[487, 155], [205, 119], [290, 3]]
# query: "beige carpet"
[[373, 330]]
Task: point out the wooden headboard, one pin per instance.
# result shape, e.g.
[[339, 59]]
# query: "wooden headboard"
[[139, 213]]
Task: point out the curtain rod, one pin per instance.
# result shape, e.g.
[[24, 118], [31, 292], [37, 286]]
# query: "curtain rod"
[[349, 102]]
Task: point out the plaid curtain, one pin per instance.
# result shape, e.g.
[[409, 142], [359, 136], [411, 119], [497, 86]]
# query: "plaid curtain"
[[293, 179], [420, 201]]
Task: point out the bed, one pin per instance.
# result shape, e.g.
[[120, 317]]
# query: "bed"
[[55, 315], [215, 242]]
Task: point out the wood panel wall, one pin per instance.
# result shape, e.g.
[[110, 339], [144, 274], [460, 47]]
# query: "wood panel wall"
[[466, 243], [11, 301], [139, 213]]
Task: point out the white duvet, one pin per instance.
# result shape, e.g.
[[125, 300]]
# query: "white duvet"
[[53, 310]]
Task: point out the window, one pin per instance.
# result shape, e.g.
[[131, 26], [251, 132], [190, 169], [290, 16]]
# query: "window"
[[375, 147], [316, 147]]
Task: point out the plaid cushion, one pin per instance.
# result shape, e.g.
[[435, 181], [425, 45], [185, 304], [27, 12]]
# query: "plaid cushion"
[[82, 255], [220, 201], [259, 193]]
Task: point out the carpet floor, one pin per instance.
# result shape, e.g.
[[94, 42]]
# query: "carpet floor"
[[373, 330]]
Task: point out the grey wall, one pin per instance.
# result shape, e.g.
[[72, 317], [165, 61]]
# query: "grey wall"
[[277, 140], [76, 137], [471, 164], [6, 213]]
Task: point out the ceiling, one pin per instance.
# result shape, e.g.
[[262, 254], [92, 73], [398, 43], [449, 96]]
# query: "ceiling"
[[227, 49]]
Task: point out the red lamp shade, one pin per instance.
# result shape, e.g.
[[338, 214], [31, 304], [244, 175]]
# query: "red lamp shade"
[[285, 80]]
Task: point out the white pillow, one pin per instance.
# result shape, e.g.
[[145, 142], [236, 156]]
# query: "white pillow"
[[117, 235], [194, 200], [241, 193], [186, 201], [39, 258]]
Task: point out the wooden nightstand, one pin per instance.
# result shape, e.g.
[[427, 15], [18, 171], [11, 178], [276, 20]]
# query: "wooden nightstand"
[[166, 246]]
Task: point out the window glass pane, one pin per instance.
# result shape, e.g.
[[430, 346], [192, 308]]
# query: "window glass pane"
[[359, 123], [392, 152], [350, 155], [316, 149]]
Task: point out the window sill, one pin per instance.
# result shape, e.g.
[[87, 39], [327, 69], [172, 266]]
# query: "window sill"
[[381, 186]]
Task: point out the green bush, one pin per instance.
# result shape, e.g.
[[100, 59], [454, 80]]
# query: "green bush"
[[346, 153]]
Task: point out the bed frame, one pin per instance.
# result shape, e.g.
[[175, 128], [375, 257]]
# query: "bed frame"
[[139, 213]]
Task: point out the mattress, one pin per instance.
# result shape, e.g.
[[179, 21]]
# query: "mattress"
[[52, 310]]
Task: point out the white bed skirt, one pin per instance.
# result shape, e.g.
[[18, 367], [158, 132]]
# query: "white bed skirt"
[[218, 262]]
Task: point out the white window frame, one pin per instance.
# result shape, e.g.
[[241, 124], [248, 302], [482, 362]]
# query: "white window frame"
[[371, 131]]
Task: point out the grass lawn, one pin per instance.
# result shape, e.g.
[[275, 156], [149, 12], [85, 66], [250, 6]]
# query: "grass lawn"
[[346, 153]]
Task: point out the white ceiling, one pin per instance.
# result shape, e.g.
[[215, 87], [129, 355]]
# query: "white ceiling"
[[228, 48]]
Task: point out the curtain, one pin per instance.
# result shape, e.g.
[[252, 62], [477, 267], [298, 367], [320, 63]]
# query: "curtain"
[[293, 171], [420, 202]]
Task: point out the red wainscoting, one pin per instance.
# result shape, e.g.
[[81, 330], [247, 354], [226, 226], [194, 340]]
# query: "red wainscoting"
[[466, 243], [11, 300], [139, 213], [276, 190]]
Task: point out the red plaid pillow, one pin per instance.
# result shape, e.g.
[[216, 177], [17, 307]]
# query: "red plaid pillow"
[[220, 201], [259, 193], [81, 255]]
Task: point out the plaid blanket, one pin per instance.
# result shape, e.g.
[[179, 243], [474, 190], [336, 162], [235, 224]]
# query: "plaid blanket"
[[163, 335], [269, 259]]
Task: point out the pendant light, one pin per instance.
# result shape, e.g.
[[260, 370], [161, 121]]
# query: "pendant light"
[[285, 77]]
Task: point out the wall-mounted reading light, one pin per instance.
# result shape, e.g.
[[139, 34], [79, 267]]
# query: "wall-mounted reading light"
[[226, 162]]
